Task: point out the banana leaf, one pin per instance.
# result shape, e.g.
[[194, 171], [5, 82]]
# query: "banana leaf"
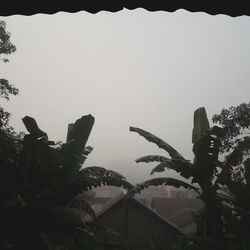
[[161, 181], [159, 142], [96, 171], [86, 182], [79, 132], [151, 158], [114, 174], [185, 168], [31, 125], [206, 151], [201, 124], [115, 181]]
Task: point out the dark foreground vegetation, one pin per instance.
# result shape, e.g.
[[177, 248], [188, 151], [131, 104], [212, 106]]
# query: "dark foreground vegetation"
[[40, 180]]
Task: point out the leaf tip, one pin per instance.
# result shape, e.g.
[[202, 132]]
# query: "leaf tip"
[[131, 128]]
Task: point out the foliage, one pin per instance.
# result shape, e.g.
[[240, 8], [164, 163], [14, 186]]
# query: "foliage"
[[206, 170], [235, 140], [38, 187], [40, 180], [237, 200], [6, 47], [201, 124], [6, 89], [235, 122], [32, 204], [235, 173], [160, 181]]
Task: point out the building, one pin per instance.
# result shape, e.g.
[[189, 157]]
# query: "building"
[[178, 211], [132, 219], [153, 191], [137, 220], [99, 198], [136, 225], [163, 191]]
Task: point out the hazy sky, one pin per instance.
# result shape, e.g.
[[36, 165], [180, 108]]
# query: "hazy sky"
[[130, 68]]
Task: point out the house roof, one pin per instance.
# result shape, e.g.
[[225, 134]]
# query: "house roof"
[[111, 202], [140, 203], [158, 215], [182, 218], [177, 211], [169, 207], [28, 7], [142, 200], [98, 200]]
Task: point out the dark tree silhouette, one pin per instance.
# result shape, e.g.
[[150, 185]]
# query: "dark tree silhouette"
[[6, 89], [225, 219]]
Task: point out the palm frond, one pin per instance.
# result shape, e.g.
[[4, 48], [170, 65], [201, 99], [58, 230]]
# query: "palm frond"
[[113, 173], [79, 132], [96, 171], [185, 168], [159, 142], [115, 181], [85, 182], [161, 181], [151, 158], [31, 125]]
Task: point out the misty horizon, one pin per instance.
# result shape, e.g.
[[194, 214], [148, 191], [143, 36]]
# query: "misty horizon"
[[150, 70]]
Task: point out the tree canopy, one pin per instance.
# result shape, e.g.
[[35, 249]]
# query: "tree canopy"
[[6, 89]]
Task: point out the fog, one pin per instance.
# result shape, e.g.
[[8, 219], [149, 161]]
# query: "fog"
[[130, 68]]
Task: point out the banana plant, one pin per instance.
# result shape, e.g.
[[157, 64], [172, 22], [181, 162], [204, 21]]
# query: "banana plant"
[[46, 179], [202, 171], [236, 198]]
